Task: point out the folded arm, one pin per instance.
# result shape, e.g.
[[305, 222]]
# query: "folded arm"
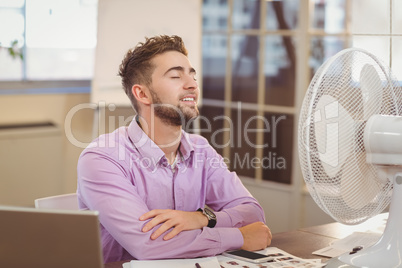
[[172, 222], [256, 235]]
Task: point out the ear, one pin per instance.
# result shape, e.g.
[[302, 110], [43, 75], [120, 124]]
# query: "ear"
[[141, 94]]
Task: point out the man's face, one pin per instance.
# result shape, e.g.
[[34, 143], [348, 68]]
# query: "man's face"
[[174, 90]]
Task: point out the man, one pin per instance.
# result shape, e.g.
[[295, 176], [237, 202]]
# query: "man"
[[150, 181]]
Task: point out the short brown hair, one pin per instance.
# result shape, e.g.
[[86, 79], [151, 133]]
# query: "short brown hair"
[[136, 67]]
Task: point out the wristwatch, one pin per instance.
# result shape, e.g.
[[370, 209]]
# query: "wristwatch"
[[210, 215]]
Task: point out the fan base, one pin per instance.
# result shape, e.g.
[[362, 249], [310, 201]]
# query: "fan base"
[[387, 252], [336, 263]]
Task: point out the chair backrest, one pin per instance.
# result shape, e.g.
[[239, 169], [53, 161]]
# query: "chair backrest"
[[64, 201]]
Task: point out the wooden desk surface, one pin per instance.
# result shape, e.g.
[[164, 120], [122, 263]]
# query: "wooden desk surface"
[[301, 244]]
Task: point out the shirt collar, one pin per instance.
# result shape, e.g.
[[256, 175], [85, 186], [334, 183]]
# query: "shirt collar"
[[186, 147], [149, 150]]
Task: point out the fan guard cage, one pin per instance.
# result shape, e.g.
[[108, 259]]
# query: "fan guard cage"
[[346, 90]]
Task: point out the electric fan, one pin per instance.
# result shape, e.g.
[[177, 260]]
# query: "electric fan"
[[350, 150]]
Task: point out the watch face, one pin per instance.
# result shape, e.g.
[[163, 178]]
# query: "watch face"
[[210, 214]]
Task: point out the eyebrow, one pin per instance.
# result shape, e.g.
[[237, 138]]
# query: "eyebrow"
[[180, 69]]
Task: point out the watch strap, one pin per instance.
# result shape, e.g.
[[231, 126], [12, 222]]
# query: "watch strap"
[[210, 216]]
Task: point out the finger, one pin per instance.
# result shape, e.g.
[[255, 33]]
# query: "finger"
[[175, 231], [151, 214], [152, 223], [269, 243], [163, 228], [269, 240]]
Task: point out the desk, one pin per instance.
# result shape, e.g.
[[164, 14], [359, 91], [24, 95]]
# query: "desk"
[[302, 242]]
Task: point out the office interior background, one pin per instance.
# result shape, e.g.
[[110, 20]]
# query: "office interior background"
[[257, 59]]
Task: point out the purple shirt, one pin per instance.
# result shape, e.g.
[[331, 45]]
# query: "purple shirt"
[[124, 174]]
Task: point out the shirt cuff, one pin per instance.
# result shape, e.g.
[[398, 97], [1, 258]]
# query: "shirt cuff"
[[222, 219], [231, 238]]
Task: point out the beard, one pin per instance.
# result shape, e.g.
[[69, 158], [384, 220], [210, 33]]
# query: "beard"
[[170, 114]]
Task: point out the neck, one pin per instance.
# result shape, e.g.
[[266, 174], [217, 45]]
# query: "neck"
[[166, 136]]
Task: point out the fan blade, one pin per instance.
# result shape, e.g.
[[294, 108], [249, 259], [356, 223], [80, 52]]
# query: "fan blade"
[[359, 183], [371, 88], [334, 137]]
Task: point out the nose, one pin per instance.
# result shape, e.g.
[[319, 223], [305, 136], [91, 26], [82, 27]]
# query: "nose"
[[190, 82]]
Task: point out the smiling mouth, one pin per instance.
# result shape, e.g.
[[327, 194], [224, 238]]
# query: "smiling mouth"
[[188, 99]]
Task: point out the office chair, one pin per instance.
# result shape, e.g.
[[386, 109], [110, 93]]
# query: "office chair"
[[64, 201]]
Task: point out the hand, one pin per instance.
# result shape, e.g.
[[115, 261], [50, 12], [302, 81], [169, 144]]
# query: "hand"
[[176, 219], [256, 236]]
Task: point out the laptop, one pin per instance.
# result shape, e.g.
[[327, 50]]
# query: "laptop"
[[43, 238]]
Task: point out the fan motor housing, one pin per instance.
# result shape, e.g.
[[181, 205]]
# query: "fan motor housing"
[[383, 140]]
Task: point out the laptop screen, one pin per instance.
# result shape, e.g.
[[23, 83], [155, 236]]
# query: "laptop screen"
[[49, 238]]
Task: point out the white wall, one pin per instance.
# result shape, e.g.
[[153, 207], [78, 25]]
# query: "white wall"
[[124, 23], [41, 163]]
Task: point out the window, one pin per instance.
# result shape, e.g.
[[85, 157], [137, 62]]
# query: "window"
[[56, 37], [376, 27], [250, 60], [11, 31], [258, 64]]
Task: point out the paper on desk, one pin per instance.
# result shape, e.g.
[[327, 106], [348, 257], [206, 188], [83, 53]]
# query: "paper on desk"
[[210, 262], [348, 243]]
